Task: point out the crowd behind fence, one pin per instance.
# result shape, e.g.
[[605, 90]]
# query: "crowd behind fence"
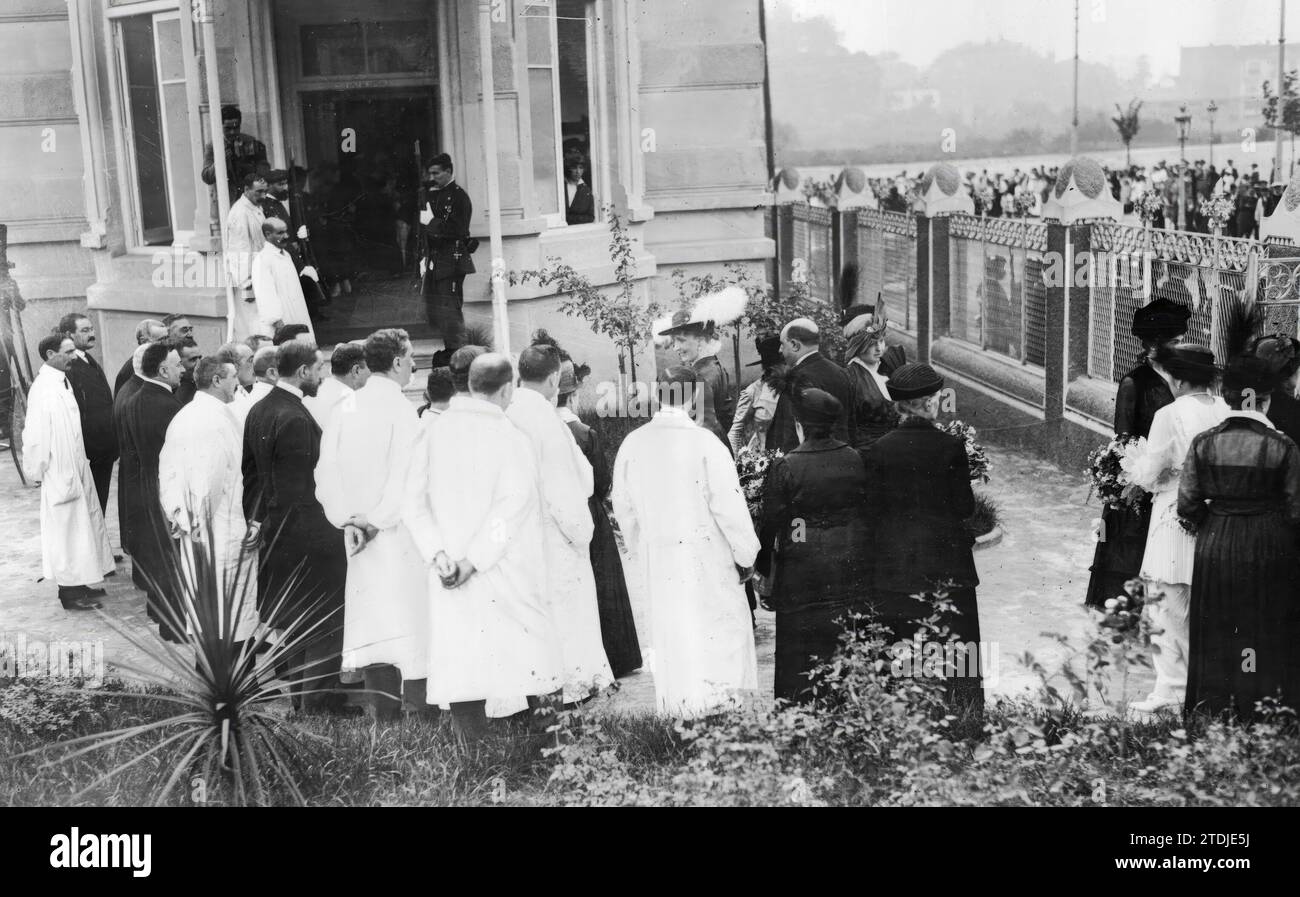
[[1000, 271]]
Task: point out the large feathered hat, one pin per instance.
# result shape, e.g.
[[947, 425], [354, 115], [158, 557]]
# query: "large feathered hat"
[[711, 311]]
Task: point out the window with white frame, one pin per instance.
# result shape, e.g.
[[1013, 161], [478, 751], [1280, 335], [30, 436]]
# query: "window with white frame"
[[562, 108]]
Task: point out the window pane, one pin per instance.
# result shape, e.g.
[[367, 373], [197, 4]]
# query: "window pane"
[[575, 91], [146, 126], [541, 106], [171, 64], [332, 50], [397, 46], [539, 38]]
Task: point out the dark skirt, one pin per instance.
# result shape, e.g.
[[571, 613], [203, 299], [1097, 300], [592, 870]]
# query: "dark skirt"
[[805, 638], [617, 626], [1118, 557], [1243, 618], [899, 613]]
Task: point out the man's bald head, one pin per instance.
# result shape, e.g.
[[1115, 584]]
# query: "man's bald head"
[[137, 358], [799, 338], [491, 377], [149, 330], [264, 364]]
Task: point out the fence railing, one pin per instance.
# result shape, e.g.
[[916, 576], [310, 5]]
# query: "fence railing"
[[998, 297], [996, 285], [886, 257]]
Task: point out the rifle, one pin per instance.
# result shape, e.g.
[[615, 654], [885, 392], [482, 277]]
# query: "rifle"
[[422, 199], [295, 197]]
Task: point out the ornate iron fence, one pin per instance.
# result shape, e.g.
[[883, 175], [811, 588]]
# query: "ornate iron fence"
[[887, 262], [998, 296]]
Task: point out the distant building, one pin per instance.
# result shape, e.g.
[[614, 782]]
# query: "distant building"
[[1231, 76]]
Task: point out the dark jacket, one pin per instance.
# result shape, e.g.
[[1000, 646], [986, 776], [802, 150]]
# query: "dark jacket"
[[582, 209], [717, 406], [124, 375], [1141, 394], [919, 495], [875, 414], [447, 232], [1284, 412], [822, 486], [128, 467], [146, 412], [815, 371], [95, 402], [299, 544]]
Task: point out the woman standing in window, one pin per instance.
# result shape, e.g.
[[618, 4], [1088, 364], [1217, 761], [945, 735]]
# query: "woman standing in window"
[[580, 205]]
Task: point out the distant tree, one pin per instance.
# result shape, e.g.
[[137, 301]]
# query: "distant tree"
[[1127, 124], [1288, 119]]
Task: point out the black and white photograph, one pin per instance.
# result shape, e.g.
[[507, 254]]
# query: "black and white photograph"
[[650, 403]]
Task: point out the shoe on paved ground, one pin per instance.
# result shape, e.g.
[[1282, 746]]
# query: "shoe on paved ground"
[[83, 603], [95, 593]]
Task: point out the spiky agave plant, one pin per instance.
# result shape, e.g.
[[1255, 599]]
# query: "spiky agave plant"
[[222, 673]]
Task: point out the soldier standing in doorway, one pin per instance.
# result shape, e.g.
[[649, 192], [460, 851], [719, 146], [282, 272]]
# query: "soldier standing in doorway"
[[445, 257]]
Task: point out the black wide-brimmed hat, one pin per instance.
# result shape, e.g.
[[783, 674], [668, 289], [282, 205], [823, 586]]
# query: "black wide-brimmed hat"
[[1188, 361], [914, 380], [1250, 372], [276, 174], [769, 350], [682, 325], [816, 406], [1280, 352], [1161, 319]]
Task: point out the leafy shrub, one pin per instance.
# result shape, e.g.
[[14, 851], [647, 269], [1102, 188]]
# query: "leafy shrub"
[[49, 708]]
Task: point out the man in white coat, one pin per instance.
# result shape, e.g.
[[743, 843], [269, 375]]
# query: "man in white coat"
[[683, 515], [243, 241], [348, 373], [74, 541], [565, 481], [276, 288], [201, 489], [241, 356], [475, 514], [361, 482]]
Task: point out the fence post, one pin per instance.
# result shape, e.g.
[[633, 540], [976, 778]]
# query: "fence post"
[[932, 282], [784, 246], [837, 253], [1066, 314], [845, 246]]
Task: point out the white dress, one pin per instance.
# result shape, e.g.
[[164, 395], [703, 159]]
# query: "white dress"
[[74, 540], [685, 522], [1170, 549], [366, 454]]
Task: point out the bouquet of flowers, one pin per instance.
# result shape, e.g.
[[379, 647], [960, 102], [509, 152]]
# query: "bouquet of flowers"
[[1150, 203], [752, 466], [1108, 468], [1024, 203], [1218, 209], [986, 197], [1123, 613], [975, 457]]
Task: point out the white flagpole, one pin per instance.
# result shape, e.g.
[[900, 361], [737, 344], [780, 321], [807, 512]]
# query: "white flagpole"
[[500, 316]]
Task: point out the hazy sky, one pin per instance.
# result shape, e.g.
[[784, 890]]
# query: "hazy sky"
[[1109, 30]]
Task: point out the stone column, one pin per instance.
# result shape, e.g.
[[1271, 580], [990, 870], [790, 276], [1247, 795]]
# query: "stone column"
[[941, 194]]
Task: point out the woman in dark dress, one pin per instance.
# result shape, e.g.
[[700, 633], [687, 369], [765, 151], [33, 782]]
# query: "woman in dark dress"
[[1141, 394], [1241, 486], [919, 493], [617, 626], [814, 513], [864, 355], [1282, 354]]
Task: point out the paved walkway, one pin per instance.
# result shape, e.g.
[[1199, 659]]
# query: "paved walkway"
[[1032, 582]]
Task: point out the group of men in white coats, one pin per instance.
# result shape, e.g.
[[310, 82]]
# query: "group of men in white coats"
[[259, 265]]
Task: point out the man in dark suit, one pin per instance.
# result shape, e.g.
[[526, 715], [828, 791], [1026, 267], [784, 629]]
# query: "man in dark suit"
[[191, 355], [800, 341], [444, 221], [303, 560], [94, 401], [147, 331], [918, 479], [145, 414]]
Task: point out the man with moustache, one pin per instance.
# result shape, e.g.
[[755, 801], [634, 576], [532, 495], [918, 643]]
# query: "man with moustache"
[[444, 221], [145, 417], [303, 561], [147, 331], [94, 402]]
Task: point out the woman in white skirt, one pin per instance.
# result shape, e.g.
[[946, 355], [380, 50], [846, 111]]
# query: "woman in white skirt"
[[1170, 550]]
